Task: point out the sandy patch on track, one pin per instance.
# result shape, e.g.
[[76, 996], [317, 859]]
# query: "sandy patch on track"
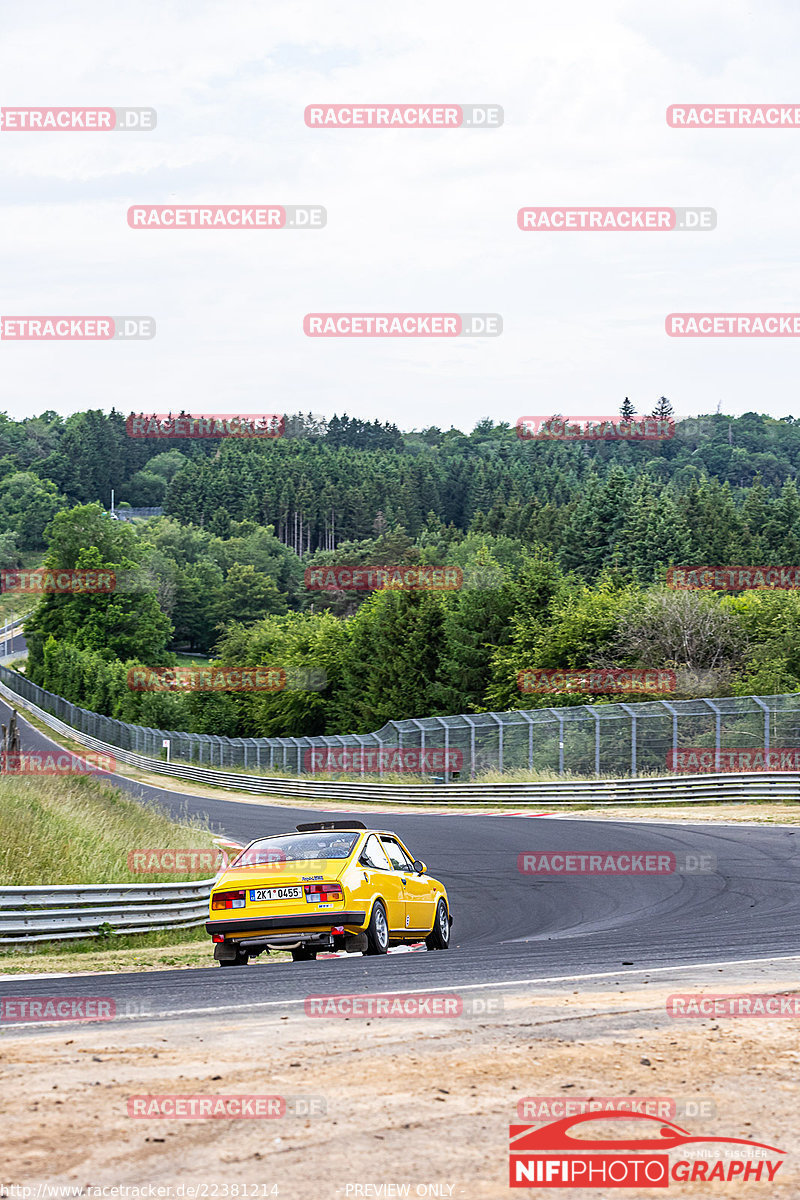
[[411, 1101], [689, 814]]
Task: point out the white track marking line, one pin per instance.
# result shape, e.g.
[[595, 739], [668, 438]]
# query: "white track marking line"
[[259, 1004]]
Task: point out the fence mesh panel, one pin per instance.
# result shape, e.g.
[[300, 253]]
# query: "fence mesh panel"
[[593, 739]]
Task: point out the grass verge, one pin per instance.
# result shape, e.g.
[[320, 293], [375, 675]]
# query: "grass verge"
[[167, 950], [75, 829]]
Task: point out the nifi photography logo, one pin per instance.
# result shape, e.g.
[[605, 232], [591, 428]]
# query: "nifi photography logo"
[[563, 1154]]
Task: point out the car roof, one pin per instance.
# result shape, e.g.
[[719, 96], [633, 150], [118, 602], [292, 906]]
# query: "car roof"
[[342, 829]]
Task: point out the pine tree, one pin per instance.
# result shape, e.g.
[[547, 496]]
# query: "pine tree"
[[663, 410], [627, 410]]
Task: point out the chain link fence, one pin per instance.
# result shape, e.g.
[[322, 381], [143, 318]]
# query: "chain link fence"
[[588, 740]]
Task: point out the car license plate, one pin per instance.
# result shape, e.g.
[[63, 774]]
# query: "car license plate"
[[276, 893]]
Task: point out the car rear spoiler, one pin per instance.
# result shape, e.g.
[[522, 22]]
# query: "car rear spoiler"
[[317, 825]]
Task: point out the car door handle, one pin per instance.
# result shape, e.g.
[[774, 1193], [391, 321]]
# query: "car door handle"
[[403, 880]]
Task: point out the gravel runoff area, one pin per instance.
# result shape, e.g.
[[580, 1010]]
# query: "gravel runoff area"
[[396, 1106]]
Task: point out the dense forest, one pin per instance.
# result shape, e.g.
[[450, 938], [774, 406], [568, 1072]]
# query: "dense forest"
[[715, 487], [564, 550]]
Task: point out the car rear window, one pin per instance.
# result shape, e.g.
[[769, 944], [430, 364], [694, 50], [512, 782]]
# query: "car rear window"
[[297, 847]]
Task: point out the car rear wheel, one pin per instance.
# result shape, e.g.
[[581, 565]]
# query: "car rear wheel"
[[378, 931], [303, 953], [439, 937]]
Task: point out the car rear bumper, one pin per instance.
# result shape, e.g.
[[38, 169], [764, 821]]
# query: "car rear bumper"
[[326, 920]]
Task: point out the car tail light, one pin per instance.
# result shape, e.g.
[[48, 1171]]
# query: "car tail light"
[[227, 900], [218, 937], [321, 893]]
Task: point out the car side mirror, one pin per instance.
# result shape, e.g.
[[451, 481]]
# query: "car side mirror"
[[419, 866]]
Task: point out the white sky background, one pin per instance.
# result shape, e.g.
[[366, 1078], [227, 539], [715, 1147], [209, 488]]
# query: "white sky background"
[[417, 220]]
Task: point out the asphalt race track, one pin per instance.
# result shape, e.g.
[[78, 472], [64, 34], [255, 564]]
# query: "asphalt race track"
[[508, 927]]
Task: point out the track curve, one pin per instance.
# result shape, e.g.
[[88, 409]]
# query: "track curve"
[[508, 927]]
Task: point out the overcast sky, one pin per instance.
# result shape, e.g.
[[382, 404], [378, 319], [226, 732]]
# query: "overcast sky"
[[417, 220]]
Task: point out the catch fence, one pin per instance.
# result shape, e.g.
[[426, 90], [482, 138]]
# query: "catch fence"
[[592, 740]]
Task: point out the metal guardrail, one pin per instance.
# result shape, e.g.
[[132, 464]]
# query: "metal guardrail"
[[61, 912], [692, 789], [7, 633], [15, 624]]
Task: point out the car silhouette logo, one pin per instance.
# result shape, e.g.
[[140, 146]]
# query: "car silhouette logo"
[[556, 1136]]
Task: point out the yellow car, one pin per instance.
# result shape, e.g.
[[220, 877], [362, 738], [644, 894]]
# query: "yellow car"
[[332, 885]]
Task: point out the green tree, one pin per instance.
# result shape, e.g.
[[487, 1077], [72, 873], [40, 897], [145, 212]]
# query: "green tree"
[[125, 623], [247, 595], [476, 623], [27, 505], [390, 671]]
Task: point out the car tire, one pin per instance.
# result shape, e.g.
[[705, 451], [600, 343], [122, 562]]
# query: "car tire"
[[377, 930], [303, 954], [439, 937]]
